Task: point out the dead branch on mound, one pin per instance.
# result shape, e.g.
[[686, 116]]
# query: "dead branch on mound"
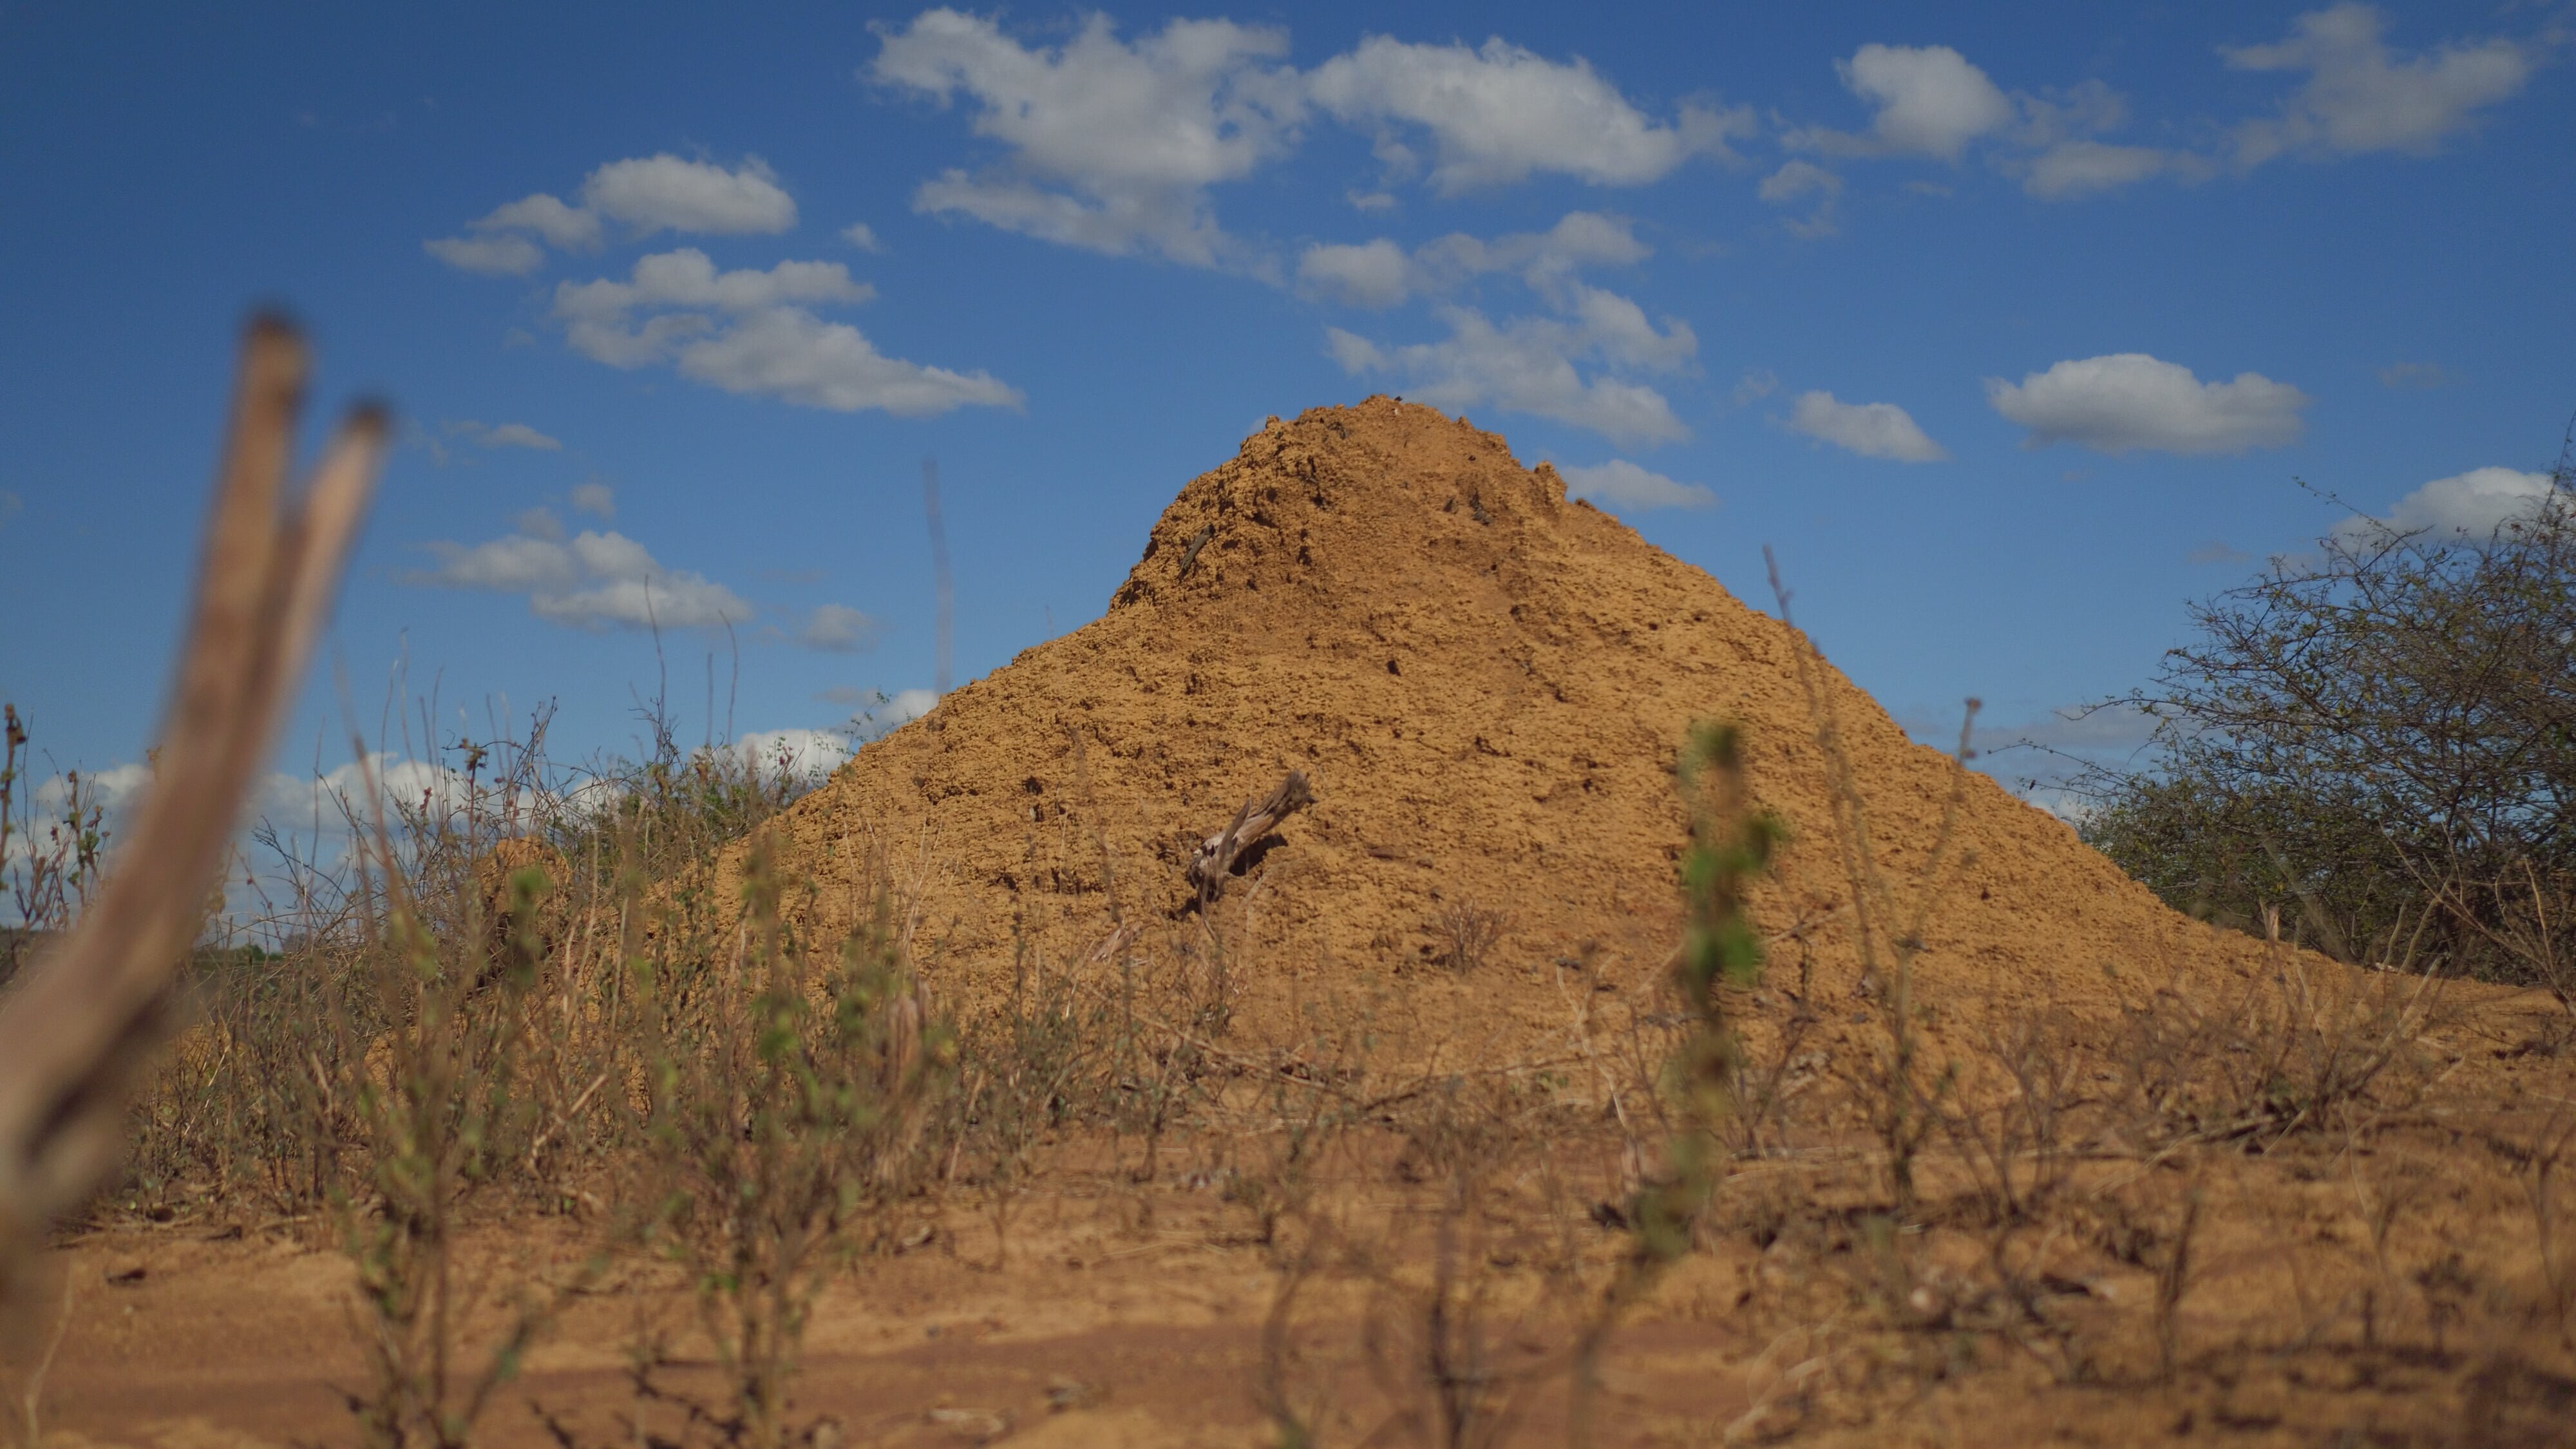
[[1215, 856], [79, 1027]]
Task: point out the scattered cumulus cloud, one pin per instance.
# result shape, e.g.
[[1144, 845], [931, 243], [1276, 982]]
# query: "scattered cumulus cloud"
[[650, 194], [1932, 103], [665, 193], [1756, 383], [2465, 505], [2416, 376], [801, 755], [1530, 364], [505, 435], [2058, 153], [540, 523], [594, 498], [1113, 144], [875, 713], [1624, 487], [2360, 96], [2217, 551], [592, 581], [751, 332], [1873, 430], [859, 234], [2080, 166], [838, 629], [1374, 274], [1927, 101], [2130, 401], [1565, 365], [505, 255], [1380, 274], [1796, 180], [1110, 145], [792, 354], [1497, 114], [566, 228]]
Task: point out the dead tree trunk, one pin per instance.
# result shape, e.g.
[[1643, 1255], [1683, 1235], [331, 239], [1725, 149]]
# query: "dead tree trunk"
[[1213, 859]]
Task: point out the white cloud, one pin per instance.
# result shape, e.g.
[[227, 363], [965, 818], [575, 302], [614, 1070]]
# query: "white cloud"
[[1626, 487], [595, 498], [1797, 179], [1380, 274], [2129, 401], [686, 278], [803, 756], [1372, 274], [2075, 167], [506, 435], [1112, 145], [663, 192], [2473, 505], [1803, 178], [515, 564], [566, 228], [2361, 97], [1528, 364], [595, 581], [1541, 258], [503, 254], [1929, 101], [908, 705], [764, 342], [539, 523], [2416, 376], [859, 234], [650, 194], [790, 353], [877, 713], [839, 629], [1873, 430], [1499, 113]]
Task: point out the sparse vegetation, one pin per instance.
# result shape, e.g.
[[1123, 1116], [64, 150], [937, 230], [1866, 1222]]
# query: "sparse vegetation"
[[2374, 745], [630, 1052]]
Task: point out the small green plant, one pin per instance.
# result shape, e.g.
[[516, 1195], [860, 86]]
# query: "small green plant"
[[435, 1114], [1731, 846], [782, 1115]]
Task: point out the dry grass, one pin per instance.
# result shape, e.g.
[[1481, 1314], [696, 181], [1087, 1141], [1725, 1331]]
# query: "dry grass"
[[526, 996]]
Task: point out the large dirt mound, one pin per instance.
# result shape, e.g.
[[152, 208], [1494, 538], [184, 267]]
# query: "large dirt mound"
[[1487, 684]]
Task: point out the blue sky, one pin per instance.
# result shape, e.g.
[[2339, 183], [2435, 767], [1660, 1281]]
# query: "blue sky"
[[2008, 327]]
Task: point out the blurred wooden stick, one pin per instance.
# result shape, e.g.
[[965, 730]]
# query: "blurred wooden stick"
[[78, 1027]]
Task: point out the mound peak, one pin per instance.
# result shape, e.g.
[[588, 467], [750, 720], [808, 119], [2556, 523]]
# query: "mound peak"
[[1486, 684]]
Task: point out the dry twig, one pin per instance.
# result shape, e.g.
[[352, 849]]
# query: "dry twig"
[[1216, 855]]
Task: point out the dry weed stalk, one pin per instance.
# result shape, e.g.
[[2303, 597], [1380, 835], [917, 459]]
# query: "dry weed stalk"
[[77, 1031], [781, 1113], [1470, 932], [1903, 1105]]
